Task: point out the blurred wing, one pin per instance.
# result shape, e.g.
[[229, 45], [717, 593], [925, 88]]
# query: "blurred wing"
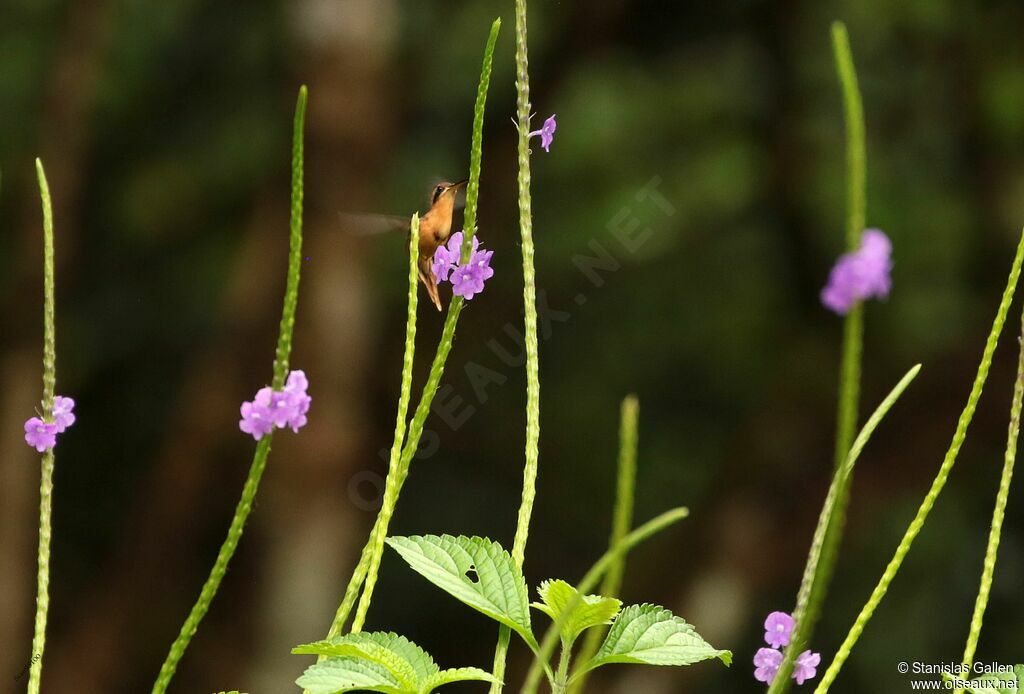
[[371, 224]]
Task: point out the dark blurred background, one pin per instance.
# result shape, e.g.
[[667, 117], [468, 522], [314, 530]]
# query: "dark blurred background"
[[165, 129]]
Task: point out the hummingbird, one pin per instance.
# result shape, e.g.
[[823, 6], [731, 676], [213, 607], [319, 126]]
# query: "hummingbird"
[[435, 228]]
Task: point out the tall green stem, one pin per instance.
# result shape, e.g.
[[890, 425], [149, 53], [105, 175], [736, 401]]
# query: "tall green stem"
[[369, 560], [800, 638], [621, 523], [530, 325], [281, 359], [998, 513], [46, 472], [589, 582], [940, 481], [828, 534], [391, 487]]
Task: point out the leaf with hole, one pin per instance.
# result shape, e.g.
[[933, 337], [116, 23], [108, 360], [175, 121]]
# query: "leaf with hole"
[[476, 571]]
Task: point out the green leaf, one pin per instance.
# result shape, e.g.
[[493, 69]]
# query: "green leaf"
[[578, 612], [474, 570], [349, 674], [460, 674], [652, 635], [404, 660]]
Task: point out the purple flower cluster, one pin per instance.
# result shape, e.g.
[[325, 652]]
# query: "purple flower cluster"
[[43, 435], [277, 408], [546, 133], [863, 274], [467, 279], [778, 629]]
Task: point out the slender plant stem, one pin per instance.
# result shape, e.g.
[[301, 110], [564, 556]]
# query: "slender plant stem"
[[529, 492], [281, 358], [391, 486], [800, 637], [853, 325], [562, 674], [589, 582], [998, 513], [621, 523], [46, 472], [828, 535], [936, 488], [367, 562]]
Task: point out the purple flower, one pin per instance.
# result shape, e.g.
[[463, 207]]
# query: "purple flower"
[[766, 664], [547, 133], [63, 413], [806, 666], [860, 275], [257, 416], [777, 629], [446, 257], [468, 280], [299, 400], [270, 408], [40, 435]]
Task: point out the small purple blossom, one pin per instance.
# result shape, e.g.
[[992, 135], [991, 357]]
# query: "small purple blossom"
[[863, 274], [777, 629], [806, 666], [446, 257], [63, 413], [467, 278], [40, 435], [766, 664], [546, 132], [257, 416], [295, 390], [272, 409]]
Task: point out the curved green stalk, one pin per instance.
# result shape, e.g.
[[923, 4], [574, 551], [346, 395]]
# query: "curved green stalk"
[[281, 358], [46, 472], [939, 482], [989, 566], [828, 534], [530, 327], [589, 582], [391, 487], [800, 636], [621, 523], [367, 562]]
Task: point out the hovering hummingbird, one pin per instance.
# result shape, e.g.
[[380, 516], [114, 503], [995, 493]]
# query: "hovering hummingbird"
[[435, 228]]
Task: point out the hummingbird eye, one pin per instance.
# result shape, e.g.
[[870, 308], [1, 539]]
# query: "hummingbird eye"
[[437, 192]]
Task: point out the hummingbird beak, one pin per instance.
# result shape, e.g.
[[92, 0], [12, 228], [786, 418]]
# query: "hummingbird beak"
[[460, 184]]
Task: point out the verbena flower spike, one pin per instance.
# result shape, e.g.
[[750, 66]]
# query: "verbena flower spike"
[[284, 401], [41, 433]]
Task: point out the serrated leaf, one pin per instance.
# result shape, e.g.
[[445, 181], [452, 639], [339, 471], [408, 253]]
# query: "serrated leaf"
[[652, 635], [460, 674], [406, 661], [476, 571], [586, 610], [348, 674]]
